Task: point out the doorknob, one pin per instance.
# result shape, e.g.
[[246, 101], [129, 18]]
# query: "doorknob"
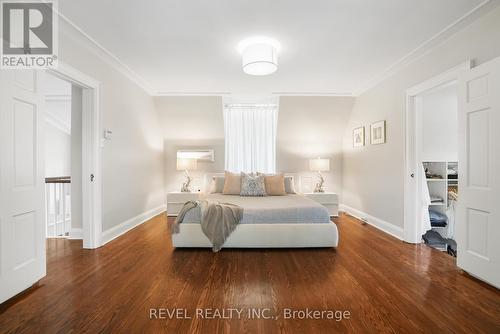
[[412, 175], [91, 177]]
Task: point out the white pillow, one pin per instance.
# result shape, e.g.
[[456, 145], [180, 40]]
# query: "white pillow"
[[289, 185], [217, 184]]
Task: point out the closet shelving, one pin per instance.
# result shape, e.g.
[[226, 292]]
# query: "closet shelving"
[[439, 183]]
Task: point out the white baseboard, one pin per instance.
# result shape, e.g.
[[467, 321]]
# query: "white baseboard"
[[76, 234], [382, 225], [127, 225]]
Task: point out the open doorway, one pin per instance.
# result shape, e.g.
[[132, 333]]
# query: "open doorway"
[[63, 158], [437, 165], [86, 183], [431, 186]]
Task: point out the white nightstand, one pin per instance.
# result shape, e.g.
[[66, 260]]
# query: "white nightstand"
[[328, 200], [176, 200]]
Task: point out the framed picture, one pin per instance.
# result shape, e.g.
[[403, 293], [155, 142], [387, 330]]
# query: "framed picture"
[[358, 137], [377, 133]]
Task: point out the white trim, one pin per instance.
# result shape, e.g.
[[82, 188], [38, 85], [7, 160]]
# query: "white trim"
[[382, 225], [411, 230], [108, 57], [57, 97], [428, 45], [91, 152], [161, 93], [338, 94], [127, 225], [76, 234]]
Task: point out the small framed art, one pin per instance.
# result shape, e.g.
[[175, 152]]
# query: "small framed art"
[[358, 137], [377, 133]]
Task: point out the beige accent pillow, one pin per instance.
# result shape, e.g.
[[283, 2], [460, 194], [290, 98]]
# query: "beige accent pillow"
[[232, 183], [275, 185]]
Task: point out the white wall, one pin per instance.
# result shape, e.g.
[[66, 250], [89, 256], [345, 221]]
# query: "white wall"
[[132, 162], [439, 125], [57, 151], [373, 176], [308, 127], [76, 157], [57, 126]]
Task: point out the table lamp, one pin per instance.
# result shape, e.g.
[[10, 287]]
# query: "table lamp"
[[186, 164], [319, 165]]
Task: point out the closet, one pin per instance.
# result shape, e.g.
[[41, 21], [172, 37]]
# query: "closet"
[[438, 152], [442, 182]]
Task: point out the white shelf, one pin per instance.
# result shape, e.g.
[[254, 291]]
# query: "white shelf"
[[439, 187]]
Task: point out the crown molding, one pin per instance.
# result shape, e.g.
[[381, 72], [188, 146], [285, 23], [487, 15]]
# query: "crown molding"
[[105, 54], [191, 93], [338, 94], [429, 45], [58, 97]]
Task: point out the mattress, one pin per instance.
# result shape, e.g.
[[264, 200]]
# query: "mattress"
[[288, 209]]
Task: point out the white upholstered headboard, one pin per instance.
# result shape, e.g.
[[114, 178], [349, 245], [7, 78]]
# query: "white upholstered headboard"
[[207, 180]]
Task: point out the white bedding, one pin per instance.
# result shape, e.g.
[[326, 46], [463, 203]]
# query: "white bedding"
[[289, 209]]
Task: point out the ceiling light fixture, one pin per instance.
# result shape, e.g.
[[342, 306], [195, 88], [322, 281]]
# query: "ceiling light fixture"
[[259, 55]]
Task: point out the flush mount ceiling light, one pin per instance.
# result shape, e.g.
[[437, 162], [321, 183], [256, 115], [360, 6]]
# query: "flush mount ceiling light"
[[259, 55]]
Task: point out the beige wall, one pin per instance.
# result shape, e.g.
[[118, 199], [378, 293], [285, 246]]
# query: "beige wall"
[[311, 127], [132, 162], [373, 176], [190, 122], [307, 127]]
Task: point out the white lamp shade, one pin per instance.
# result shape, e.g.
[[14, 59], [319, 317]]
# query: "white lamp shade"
[[186, 164], [259, 59], [319, 165]]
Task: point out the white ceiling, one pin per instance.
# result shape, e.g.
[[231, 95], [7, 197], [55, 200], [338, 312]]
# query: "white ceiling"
[[328, 46]]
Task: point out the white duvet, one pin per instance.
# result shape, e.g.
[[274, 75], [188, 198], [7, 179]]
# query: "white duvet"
[[270, 209]]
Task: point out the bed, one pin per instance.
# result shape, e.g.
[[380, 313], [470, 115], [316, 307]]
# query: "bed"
[[291, 221]]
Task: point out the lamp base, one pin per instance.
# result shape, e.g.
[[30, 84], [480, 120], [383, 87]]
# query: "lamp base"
[[185, 186], [319, 186]]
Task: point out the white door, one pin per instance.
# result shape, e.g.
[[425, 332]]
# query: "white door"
[[478, 216], [22, 225]]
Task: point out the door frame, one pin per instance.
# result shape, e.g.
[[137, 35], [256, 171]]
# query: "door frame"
[[411, 232], [91, 152]]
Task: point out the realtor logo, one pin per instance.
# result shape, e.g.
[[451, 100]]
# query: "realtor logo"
[[29, 34]]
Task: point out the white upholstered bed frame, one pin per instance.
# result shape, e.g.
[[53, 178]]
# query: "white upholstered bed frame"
[[283, 235], [263, 236]]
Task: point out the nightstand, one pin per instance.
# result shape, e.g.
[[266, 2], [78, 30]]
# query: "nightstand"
[[176, 200], [328, 200]]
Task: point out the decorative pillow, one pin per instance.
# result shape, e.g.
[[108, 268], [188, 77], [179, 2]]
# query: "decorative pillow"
[[252, 185], [217, 184], [289, 185], [232, 183], [275, 185]]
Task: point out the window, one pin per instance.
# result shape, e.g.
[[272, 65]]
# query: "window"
[[250, 136]]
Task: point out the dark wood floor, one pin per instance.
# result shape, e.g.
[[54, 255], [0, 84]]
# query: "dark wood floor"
[[386, 285]]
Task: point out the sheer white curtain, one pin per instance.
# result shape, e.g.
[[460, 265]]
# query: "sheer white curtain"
[[250, 135]]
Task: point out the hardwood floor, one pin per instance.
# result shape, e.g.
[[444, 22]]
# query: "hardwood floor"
[[386, 285]]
